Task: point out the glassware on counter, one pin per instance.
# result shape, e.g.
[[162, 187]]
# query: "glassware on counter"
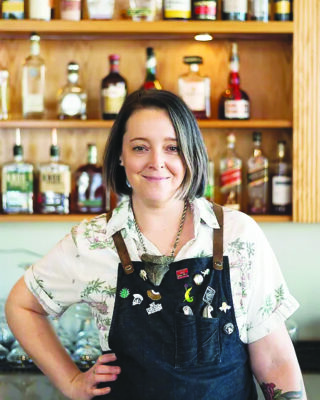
[[18, 358]]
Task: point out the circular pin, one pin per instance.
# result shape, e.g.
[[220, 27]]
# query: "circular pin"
[[198, 279], [228, 328]]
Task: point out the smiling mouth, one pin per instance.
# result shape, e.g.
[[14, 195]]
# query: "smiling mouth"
[[155, 178]]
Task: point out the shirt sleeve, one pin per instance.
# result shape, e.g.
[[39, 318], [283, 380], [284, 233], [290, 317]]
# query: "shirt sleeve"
[[52, 280], [269, 301]]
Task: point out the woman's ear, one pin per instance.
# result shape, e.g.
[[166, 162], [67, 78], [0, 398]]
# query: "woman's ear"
[[120, 161]]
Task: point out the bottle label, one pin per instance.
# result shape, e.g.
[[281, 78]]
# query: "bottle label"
[[194, 94], [71, 10], [33, 103], [9, 6], [236, 109], [100, 9], [235, 6], [283, 7], [177, 9], [40, 9], [17, 182], [257, 177], [113, 97], [57, 182], [205, 9], [260, 8], [90, 191], [230, 178], [281, 190], [71, 105]]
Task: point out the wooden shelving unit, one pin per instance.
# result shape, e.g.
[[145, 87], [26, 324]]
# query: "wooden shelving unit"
[[79, 217]]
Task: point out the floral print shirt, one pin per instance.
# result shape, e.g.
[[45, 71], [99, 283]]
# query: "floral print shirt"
[[83, 266]]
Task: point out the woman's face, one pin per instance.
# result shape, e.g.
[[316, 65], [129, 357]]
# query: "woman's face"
[[151, 157]]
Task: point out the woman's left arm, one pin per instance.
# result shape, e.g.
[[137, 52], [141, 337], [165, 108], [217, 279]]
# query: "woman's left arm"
[[275, 366]]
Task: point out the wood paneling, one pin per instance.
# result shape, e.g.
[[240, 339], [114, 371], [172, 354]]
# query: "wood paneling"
[[306, 133]]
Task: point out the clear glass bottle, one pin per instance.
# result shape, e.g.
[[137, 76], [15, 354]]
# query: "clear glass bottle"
[[89, 191], [4, 94], [70, 10], [113, 90], [177, 9], [231, 176], [258, 176], [281, 182], [72, 98], [151, 81], [259, 10], [54, 183], [17, 182], [234, 102], [40, 9], [194, 88], [33, 81], [234, 10]]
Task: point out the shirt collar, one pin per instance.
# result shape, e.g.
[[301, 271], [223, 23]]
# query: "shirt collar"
[[122, 216]]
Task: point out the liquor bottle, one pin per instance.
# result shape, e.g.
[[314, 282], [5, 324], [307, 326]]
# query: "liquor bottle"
[[259, 10], [12, 9], [113, 90], [209, 190], [234, 102], [4, 94], [234, 10], [283, 10], [151, 82], [281, 182], [72, 98], [90, 194], [231, 176], [70, 10], [204, 10], [54, 183], [17, 182], [40, 9], [195, 88], [257, 178], [177, 9], [33, 81]]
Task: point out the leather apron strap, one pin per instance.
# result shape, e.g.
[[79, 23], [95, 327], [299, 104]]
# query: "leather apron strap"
[[218, 239], [217, 244], [121, 249]]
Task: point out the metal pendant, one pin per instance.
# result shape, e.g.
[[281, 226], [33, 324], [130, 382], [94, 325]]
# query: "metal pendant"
[[198, 279], [156, 267]]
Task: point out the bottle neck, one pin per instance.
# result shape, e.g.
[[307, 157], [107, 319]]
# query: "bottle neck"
[[151, 68], [34, 48], [257, 149], [194, 67], [92, 155], [114, 67], [234, 66], [73, 77]]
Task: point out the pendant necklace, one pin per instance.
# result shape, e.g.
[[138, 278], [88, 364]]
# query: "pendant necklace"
[[157, 266]]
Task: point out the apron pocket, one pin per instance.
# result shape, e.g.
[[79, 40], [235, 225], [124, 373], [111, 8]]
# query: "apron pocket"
[[185, 341], [208, 341]]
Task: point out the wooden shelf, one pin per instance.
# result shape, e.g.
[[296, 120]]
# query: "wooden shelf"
[[101, 124], [121, 28], [79, 217]]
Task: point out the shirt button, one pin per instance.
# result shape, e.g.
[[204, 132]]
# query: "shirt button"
[[228, 328]]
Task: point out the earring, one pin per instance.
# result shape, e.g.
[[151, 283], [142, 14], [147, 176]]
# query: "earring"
[[120, 162]]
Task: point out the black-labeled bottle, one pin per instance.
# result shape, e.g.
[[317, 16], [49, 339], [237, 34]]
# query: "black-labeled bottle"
[[282, 10], [234, 10]]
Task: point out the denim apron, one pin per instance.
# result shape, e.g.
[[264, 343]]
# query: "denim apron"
[[178, 340]]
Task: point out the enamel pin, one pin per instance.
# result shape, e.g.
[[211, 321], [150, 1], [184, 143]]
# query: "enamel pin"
[[153, 295], [143, 274], [209, 295], [182, 273], [153, 308], [187, 296], [137, 299], [224, 307], [124, 293]]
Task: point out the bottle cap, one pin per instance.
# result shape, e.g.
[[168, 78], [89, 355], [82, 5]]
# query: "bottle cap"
[[150, 51], [54, 151], [34, 36], [114, 57], [256, 136], [231, 138], [192, 60], [73, 66], [17, 150]]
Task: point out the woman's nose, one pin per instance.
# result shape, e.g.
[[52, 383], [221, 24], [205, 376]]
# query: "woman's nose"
[[156, 160]]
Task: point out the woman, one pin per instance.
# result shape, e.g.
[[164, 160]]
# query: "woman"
[[182, 318]]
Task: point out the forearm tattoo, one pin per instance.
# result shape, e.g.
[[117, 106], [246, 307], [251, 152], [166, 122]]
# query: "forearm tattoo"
[[272, 393]]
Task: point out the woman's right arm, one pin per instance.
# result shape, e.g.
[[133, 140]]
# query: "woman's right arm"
[[31, 327]]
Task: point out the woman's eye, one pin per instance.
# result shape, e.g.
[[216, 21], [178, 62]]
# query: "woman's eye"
[[139, 148], [174, 149]]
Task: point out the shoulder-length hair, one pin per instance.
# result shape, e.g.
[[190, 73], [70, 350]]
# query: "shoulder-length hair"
[[190, 141]]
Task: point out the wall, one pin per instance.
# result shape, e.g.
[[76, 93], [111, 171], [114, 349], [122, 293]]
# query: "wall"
[[296, 246]]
